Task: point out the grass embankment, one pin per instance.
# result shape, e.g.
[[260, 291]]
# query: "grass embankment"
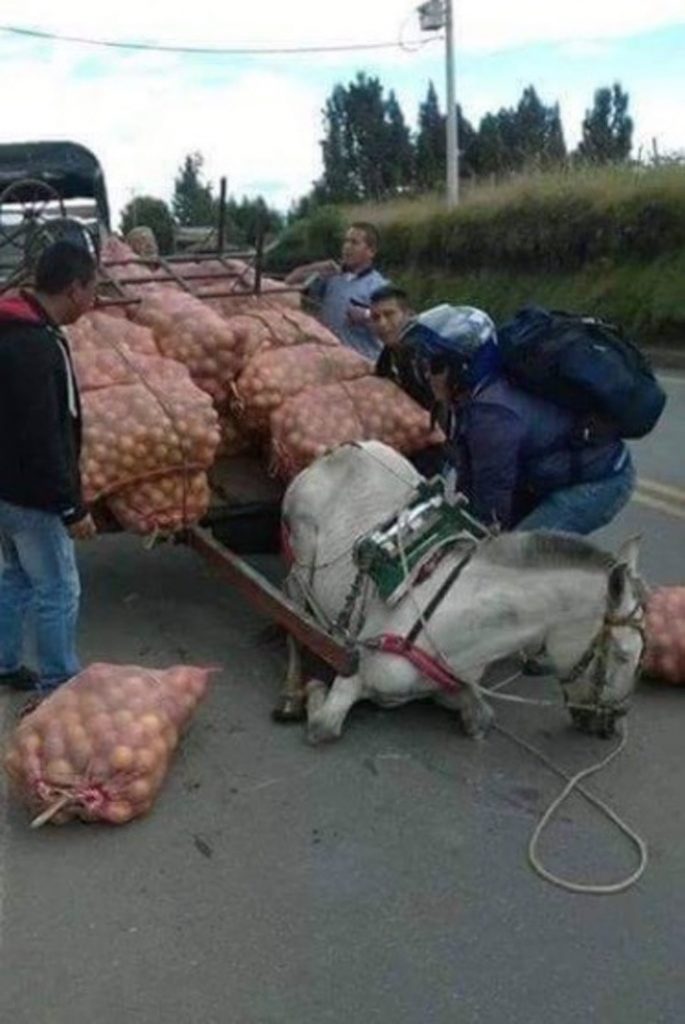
[[609, 242]]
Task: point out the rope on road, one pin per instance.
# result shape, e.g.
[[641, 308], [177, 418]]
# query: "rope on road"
[[573, 784], [573, 781]]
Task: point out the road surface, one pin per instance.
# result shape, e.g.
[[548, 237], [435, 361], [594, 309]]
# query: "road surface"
[[381, 880]]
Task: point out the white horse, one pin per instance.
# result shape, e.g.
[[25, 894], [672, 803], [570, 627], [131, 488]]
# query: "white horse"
[[514, 592]]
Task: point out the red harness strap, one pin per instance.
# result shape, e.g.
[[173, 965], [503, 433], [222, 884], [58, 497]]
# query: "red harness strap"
[[432, 668], [287, 552]]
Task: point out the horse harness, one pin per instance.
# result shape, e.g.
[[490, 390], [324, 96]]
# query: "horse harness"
[[432, 666], [435, 667], [598, 650]]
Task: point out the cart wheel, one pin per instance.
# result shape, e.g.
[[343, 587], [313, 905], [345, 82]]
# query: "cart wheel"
[[27, 200]]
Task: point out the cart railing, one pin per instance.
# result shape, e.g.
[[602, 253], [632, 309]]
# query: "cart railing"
[[164, 269]]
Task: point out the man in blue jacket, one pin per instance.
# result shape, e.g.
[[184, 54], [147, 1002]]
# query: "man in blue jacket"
[[520, 459], [342, 292], [41, 504]]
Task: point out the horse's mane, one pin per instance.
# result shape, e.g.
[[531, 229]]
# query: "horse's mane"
[[545, 549]]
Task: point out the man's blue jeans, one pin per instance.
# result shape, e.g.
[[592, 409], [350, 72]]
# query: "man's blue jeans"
[[583, 508], [39, 575]]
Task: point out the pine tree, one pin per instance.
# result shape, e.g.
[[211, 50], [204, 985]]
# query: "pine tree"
[[399, 150], [367, 148], [430, 143], [192, 203], [607, 128]]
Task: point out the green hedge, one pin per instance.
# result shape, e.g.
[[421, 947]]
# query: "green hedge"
[[648, 300], [609, 241]]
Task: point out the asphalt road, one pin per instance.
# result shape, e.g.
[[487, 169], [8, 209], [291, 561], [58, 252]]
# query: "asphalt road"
[[382, 879]]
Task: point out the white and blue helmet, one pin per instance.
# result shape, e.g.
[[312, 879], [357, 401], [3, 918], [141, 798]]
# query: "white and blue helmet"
[[449, 334]]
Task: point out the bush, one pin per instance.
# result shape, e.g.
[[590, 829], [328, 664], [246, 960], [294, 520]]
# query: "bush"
[[559, 221], [647, 299], [609, 241]]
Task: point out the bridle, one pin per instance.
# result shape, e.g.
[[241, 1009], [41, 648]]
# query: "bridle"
[[598, 651]]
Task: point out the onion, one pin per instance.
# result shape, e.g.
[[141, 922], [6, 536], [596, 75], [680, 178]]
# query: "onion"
[[118, 812]]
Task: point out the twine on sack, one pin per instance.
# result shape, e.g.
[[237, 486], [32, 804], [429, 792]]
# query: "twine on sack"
[[186, 466], [87, 792]]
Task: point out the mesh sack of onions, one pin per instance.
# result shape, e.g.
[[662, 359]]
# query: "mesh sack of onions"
[[665, 625], [274, 375], [158, 423], [162, 504], [100, 747], [276, 328], [238, 278], [122, 264], [321, 418], [98, 334], [187, 330]]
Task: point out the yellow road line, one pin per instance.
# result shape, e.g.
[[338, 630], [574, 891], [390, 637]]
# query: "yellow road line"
[[660, 497], [665, 491]]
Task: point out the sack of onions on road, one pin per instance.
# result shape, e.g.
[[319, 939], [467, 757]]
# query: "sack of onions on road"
[[100, 747]]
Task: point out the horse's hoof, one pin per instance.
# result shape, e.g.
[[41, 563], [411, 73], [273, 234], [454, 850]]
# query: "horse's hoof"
[[477, 726], [318, 732], [289, 709]]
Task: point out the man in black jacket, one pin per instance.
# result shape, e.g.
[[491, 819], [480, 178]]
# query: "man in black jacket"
[[390, 315], [41, 505]]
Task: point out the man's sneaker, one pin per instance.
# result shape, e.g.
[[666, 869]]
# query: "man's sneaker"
[[22, 679]]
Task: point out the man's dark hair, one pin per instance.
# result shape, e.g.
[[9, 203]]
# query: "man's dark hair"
[[390, 291], [373, 239], [62, 263]]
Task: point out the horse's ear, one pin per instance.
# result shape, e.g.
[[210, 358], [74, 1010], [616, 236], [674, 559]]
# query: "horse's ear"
[[629, 553], [616, 588]]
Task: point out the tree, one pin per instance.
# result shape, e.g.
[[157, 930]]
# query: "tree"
[[491, 146], [467, 138], [430, 143], [528, 135], [338, 183], [244, 217], [154, 214], [193, 203], [399, 146], [367, 149], [539, 138], [607, 128]]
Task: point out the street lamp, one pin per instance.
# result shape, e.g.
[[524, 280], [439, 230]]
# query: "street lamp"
[[433, 16]]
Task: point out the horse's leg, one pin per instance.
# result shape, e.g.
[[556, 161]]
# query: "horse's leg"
[[477, 717], [290, 704], [327, 709]]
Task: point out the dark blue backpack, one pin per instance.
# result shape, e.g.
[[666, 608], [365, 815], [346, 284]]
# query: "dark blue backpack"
[[586, 366]]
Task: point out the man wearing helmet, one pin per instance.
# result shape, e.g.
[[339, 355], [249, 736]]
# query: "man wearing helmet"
[[518, 457]]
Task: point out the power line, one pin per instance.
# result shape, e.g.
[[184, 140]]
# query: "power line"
[[217, 51]]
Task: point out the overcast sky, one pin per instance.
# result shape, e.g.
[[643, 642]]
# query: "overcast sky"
[[257, 119]]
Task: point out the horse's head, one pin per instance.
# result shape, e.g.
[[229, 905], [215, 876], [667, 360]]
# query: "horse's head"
[[599, 686]]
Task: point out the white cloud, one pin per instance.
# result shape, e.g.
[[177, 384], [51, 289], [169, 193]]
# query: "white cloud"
[[141, 117], [259, 122]]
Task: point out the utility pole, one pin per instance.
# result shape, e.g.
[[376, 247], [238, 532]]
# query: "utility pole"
[[433, 16], [452, 130]]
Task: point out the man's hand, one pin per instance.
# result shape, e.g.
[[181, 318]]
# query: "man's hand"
[[325, 268], [328, 268], [84, 529]]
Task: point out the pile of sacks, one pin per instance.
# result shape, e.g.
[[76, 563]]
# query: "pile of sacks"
[[174, 381]]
